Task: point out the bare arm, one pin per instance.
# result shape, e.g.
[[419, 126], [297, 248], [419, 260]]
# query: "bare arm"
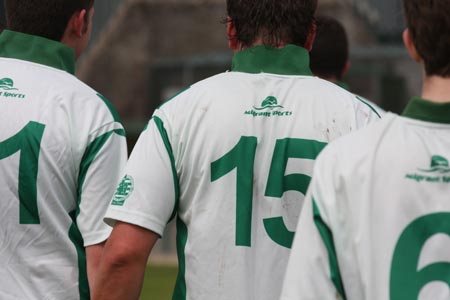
[[123, 263], [93, 256]]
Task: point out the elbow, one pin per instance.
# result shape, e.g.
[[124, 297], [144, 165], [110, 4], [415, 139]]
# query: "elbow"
[[119, 258]]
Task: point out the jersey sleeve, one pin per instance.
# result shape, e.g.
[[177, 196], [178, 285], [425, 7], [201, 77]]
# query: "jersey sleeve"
[[148, 193], [313, 269], [101, 167]]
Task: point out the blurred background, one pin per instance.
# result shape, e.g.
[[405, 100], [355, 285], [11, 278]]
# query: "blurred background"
[[144, 51]]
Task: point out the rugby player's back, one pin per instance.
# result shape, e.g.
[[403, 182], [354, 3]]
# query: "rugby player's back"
[[56, 134], [233, 156]]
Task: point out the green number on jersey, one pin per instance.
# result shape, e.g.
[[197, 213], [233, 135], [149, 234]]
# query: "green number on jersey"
[[242, 157], [406, 281], [28, 142], [278, 183]]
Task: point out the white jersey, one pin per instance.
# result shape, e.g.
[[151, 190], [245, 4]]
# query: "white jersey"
[[61, 149], [376, 221], [233, 156]]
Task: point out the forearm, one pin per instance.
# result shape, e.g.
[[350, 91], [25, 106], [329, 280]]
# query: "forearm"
[[123, 263], [119, 280], [93, 256]]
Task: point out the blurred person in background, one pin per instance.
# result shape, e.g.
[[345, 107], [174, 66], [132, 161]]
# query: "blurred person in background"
[[330, 54], [231, 157], [376, 221], [61, 150]]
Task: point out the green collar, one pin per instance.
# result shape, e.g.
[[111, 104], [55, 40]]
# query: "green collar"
[[424, 110], [290, 60], [38, 50]]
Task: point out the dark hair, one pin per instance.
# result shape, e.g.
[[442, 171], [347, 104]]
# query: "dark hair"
[[330, 49], [47, 18], [429, 26], [276, 22]]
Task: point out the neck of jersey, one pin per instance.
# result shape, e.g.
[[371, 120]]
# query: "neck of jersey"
[[428, 111], [38, 50], [289, 60]]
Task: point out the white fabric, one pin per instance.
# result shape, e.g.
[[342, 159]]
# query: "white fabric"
[[369, 187]]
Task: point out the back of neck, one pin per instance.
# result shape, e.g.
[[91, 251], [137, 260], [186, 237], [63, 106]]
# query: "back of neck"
[[436, 89]]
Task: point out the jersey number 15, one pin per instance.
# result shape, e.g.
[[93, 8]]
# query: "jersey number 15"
[[242, 158]]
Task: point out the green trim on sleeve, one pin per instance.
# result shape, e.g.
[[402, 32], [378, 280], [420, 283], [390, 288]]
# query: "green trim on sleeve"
[[179, 292], [424, 110], [327, 237], [111, 108], [77, 240], [160, 125], [38, 50]]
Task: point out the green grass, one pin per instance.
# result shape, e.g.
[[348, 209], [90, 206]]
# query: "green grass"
[[159, 281]]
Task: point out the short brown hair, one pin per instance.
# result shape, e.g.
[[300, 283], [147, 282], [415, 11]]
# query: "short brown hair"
[[329, 54], [47, 18], [275, 21], [429, 26]]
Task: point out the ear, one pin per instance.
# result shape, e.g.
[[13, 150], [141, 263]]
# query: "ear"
[[310, 38], [77, 24], [409, 44], [77, 31], [231, 34]]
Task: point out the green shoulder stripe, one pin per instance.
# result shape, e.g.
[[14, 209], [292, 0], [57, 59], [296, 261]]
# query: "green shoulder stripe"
[[370, 106], [77, 240], [160, 125], [74, 233], [89, 155], [179, 292], [327, 237], [111, 108]]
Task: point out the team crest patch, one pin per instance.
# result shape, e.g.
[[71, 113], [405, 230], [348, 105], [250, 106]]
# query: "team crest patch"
[[124, 190]]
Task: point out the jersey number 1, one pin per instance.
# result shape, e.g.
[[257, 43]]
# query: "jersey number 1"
[[28, 142], [242, 158]]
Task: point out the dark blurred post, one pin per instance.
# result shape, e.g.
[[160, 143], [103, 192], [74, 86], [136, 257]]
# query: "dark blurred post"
[[2, 16]]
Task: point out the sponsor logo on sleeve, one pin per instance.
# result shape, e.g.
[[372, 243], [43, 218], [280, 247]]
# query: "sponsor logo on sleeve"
[[438, 172], [8, 91], [124, 191], [269, 108]]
